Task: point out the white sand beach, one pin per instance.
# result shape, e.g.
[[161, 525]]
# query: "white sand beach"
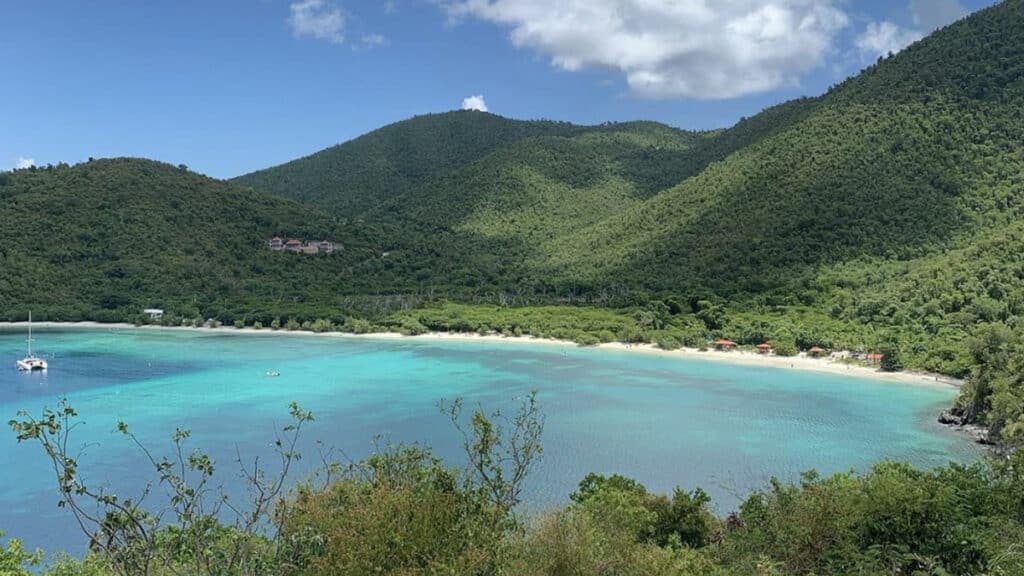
[[802, 362]]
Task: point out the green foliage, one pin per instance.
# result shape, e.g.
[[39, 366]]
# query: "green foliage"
[[892, 360], [402, 511], [15, 560]]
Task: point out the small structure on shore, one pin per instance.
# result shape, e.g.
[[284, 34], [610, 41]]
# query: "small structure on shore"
[[724, 344], [764, 348], [816, 352], [875, 357], [154, 313]]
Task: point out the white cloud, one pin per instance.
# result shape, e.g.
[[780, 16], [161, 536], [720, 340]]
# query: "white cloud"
[[881, 38], [931, 15], [673, 48], [23, 162], [474, 103], [319, 19], [373, 40]]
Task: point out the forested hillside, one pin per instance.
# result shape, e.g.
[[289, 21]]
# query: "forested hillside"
[[885, 211], [883, 214], [103, 239]]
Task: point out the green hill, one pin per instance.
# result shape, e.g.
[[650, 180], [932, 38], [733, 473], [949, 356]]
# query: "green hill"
[[881, 212], [105, 238], [885, 213]]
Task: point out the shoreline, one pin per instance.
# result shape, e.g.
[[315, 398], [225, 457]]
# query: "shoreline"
[[801, 362]]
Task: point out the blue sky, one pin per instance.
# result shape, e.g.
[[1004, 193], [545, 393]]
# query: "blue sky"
[[230, 86]]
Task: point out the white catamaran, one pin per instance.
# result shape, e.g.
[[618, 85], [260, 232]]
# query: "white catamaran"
[[31, 363]]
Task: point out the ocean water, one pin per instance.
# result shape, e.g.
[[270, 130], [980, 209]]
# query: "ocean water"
[[665, 421]]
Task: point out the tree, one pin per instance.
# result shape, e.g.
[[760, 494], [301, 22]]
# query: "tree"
[[891, 360]]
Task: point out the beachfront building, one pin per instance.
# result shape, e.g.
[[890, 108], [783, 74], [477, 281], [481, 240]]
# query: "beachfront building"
[[154, 313], [816, 352], [875, 358], [276, 243], [725, 345], [764, 348]]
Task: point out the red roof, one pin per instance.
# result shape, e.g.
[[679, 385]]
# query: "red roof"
[[277, 238], [764, 346], [724, 343], [816, 349], [875, 356], [294, 241]]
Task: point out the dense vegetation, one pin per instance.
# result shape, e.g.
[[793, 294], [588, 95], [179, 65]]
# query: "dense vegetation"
[[883, 214], [404, 512]]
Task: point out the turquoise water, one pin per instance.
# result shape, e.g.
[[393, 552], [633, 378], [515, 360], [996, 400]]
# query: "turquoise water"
[[664, 421]]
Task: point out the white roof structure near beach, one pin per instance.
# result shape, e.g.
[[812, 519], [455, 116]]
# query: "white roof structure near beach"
[[153, 312]]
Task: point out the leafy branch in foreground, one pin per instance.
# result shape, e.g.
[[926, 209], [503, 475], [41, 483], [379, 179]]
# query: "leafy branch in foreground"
[[501, 449], [182, 534]]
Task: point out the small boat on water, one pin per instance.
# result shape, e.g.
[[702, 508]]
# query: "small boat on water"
[[31, 363], [273, 373]]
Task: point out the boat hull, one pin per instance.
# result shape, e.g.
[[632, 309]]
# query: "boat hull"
[[32, 365]]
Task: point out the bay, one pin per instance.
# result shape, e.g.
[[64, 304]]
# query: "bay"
[[664, 421]]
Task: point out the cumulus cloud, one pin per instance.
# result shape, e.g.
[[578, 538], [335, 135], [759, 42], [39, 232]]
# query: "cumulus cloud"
[[318, 19], [929, 15], [23, 162], [881, 38], [474, 103], [679, 48]]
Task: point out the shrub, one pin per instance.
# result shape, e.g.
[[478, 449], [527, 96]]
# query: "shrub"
[[784, 348], [668, 343], [412, 327]]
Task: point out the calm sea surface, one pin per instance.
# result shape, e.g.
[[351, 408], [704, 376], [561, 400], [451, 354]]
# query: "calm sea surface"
[[664, 421]]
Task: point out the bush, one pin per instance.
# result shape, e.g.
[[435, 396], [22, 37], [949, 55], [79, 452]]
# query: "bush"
[[784, 348], [891, 359], [321, 325], [668, 343], [412, 327], [358, 326]]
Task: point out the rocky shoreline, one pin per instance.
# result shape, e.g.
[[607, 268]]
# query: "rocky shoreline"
[[955, 418]]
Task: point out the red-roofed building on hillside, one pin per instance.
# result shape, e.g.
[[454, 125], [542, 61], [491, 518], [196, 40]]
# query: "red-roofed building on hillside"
[[276, 243], [293, 245]]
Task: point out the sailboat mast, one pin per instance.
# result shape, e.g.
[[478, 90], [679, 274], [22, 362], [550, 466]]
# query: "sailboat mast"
[[30, 334]]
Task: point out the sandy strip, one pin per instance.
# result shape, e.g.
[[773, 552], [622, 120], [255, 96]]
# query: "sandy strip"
[[801, 362]]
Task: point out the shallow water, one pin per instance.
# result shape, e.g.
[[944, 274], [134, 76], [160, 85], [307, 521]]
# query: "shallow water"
[[664, 421]]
